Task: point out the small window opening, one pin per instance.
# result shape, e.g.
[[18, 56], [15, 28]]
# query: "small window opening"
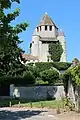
[[37, 29], [32, 41], [50, 28], [45, 27], [40, 28]]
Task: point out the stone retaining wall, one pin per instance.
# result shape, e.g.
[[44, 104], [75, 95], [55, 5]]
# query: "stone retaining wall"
[[38, 92]]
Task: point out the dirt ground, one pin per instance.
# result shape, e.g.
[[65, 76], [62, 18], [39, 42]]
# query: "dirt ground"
[[36, 114], [69, 116]]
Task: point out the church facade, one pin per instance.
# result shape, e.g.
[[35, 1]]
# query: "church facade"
[[44, 33]]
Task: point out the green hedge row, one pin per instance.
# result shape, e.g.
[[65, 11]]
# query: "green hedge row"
[[47, 65], [7, 80], [29, 76]]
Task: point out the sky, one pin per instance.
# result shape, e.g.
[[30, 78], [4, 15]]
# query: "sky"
[[65, 13]]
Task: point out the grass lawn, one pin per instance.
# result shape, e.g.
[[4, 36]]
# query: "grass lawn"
[[49, 104], [6, 102]]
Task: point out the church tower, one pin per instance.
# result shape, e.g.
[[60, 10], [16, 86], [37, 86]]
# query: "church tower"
[[46, 32]]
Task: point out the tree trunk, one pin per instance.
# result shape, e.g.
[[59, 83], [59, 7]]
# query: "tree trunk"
[[77, 96], [71, 93]]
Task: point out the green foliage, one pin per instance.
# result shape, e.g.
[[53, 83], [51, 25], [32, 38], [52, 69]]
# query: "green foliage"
[[28, 78], [53, 104], [50, 75], [66, 76], [10, 51], [75, 60], [40, 82], [7, 3], [42, 66], [75, 72], [55, 50], [47, 65], [34, 70]]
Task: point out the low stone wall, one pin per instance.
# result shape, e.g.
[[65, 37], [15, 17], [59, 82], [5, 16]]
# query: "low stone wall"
[[38, 92]]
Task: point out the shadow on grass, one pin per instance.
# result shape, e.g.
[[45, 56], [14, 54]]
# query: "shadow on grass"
[[18, 115], [6, 102]]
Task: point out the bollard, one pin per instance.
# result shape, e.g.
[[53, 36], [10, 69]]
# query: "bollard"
[[42, 105], [19, 103], [31, 104], [10, 104], [58, 110]]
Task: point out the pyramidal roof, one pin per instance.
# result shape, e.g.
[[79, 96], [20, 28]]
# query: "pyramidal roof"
[[46, 20]]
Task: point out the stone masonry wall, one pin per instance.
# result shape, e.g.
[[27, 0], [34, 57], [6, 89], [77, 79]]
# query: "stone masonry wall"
[[39, 92]]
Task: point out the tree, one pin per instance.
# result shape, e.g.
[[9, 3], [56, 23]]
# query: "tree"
[[55, 51], [10, 51], [75, 72], [50, 75], [28, 77], [73, 75], [7, 3], [34, 70]]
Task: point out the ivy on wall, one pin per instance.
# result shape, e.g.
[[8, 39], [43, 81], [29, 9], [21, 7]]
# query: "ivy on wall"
[[55, 51]]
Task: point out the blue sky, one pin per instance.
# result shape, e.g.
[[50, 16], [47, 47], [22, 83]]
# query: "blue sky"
[[65, 13]]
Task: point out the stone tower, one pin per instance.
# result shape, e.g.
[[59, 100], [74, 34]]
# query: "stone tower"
[[61, 38], [44, 33]]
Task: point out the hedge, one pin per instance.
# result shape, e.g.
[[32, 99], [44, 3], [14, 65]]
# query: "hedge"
[[52, 76], [29, 77], [47, 65], [7, 80]]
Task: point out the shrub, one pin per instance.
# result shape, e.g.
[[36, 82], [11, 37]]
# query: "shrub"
[[50, 75], [28, 78], [47, 65]]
